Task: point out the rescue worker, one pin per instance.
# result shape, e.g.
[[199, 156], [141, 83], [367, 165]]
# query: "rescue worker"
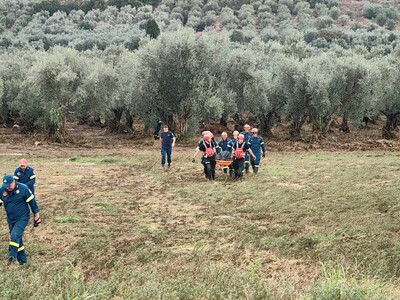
[[26, 175], [208, 159], [167, 143], [240, 147], [18, 200], [235, 135], [157, 129], [256, 145], [224, 146], [247, 136]]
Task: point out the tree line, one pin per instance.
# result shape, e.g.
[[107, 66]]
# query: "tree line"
[[85, 25], [183, 79]]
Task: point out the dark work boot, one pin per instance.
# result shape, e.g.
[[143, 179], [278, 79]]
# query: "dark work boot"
[[255, 170]]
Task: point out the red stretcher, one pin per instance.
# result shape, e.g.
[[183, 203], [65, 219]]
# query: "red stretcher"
[[223, 163]]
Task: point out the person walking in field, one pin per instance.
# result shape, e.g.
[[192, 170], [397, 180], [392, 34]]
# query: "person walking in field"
[[235, 135], [247, 135], [257, 145], [25, 174], [224, 149], [18, 201], [240, 147], [157, 129], [167, 143], [207, 146]]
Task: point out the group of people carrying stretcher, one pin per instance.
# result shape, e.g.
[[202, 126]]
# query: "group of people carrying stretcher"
[[234, 155]]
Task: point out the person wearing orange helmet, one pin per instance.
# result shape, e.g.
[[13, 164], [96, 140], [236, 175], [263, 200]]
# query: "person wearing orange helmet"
[[207, 145], [240, 148], [247, 135], [25, 174]]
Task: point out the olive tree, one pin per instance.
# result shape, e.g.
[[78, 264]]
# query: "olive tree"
[[382, 85], [170, 83], [54, 80]]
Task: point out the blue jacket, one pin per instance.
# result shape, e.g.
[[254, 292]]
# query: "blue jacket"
[[224, 145], [17, 202], [257, 143], [247, 135], [28, 177]]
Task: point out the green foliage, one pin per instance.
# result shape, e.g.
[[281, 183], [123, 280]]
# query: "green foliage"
[[324, 22], [152, 29], [337, 284], [344, 19]]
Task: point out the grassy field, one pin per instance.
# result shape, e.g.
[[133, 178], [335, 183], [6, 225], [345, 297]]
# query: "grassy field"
[[310, 225]]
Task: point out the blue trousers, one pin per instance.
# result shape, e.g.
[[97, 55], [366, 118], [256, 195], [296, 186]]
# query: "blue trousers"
[[166, 153], [255, 162], [16, 249], [247, 160]]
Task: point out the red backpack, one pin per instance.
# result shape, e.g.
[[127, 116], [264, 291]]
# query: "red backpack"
[[239, 153], [209, 151]]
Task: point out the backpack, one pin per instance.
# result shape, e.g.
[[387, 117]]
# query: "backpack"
[[209, 151], [239, 153]]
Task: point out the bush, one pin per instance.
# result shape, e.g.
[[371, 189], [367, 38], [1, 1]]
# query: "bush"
[[334, 12], [288, 3], [371, 27], [343, 19], [320, 43], [269, 34], [309, 35], [381, 19], [324, 22], [390, 24], [370, 11], [356, 26]]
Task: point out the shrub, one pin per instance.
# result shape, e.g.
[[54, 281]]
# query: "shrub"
[[269, 34], [334, 12], [320, 43], [324, 22], [288, 3], [370, 11], [343, 19], [390, 24], [381, 19]]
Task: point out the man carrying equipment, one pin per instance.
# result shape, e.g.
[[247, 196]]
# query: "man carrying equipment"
[[18, 201], [239, 150], [207, 146]]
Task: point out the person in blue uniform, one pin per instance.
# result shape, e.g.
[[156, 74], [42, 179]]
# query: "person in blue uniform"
[[167, 143], [247, 135], [25, 174], [224, 149], [18, 201], [257, 145], [157, 129], [240, 148]]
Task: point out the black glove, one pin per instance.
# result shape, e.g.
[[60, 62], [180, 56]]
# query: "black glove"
[[193, 160], [36, 222], [264, 154]]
